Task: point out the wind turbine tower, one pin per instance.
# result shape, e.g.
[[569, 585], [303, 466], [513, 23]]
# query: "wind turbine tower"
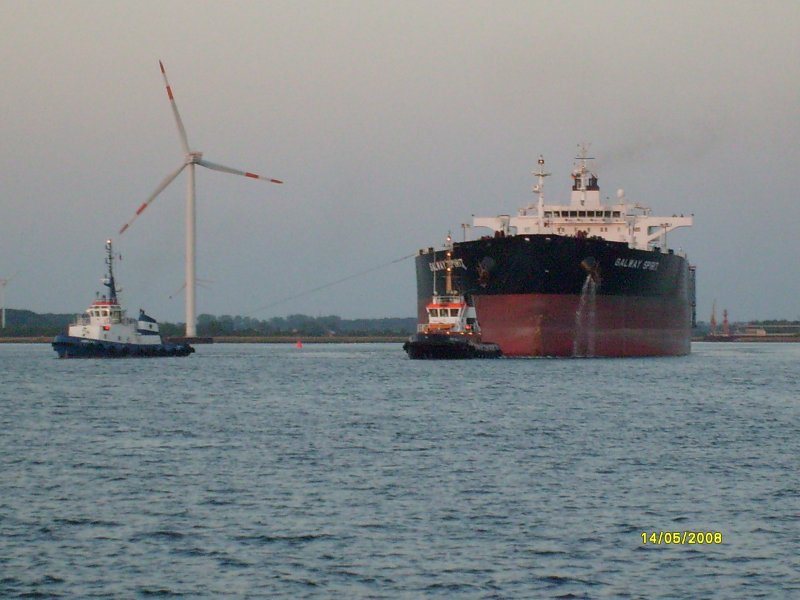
[[191, 158]]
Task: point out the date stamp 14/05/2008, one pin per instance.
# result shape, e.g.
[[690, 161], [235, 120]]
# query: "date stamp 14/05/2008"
[[657, 538]]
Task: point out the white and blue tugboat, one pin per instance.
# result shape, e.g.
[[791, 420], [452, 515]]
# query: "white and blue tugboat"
[[104, 331]]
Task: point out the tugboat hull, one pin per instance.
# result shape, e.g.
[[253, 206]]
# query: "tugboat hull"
[[74, 347], [441, 346]]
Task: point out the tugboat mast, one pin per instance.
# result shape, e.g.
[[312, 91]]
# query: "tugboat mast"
[[449, 266], [109, 280]]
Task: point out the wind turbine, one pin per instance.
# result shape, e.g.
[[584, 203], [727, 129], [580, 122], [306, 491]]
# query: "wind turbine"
[[3, 284], [191, 159]]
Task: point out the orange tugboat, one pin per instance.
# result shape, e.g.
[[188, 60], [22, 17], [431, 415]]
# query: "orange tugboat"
[[452, 330]]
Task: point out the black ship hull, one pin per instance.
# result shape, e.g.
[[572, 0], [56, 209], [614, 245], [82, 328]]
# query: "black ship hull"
[[74, 347], [550, 295], [442, 346]]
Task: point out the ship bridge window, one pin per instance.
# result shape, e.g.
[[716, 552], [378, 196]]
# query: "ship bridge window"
[[581, 213], [453, 312], [434, 312], [573, 213], [616, 214]]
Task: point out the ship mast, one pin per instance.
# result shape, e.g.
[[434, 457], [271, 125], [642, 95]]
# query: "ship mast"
[[449, 265], [583, 177], [109, 280], [433, 273], [538, 189]]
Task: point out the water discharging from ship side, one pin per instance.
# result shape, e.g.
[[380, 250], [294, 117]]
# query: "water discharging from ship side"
[[586, 320]]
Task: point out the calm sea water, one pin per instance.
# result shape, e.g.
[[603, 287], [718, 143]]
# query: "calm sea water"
[[349, 471]]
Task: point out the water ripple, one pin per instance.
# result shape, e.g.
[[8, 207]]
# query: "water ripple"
[[350, 471]]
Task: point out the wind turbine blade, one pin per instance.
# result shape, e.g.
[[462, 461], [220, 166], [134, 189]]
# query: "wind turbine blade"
[[167, 180], [181, 129], [224, 169]]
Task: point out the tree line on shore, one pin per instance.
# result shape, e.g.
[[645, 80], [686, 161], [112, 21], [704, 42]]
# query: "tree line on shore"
[[25, 323]]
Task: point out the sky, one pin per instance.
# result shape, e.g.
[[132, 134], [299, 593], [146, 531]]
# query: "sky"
[[391, 123]]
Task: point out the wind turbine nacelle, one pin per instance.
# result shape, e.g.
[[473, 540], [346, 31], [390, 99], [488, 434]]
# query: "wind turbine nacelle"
[[194, 157]]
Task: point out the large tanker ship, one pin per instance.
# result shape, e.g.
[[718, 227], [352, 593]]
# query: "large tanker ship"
[[584, 279]]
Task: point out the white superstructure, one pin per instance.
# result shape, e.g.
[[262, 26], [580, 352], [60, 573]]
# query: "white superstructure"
[[586, 216], [105, 320]]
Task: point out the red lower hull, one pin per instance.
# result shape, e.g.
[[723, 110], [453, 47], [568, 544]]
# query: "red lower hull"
[[614, 326]]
